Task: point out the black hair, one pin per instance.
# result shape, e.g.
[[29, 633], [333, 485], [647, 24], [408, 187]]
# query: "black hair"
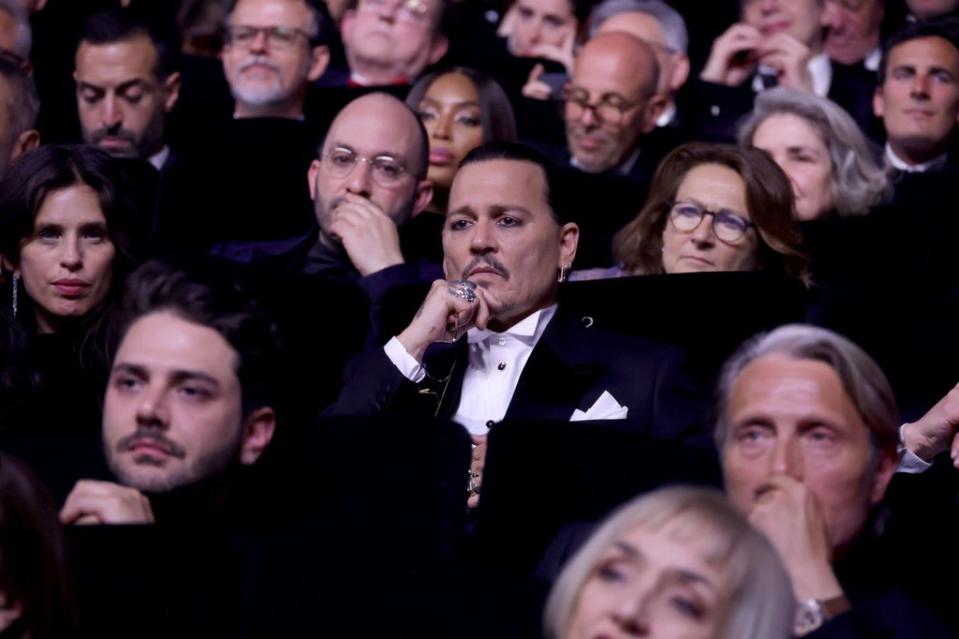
[[946, 28], [496, 111], [211, 295], [118, 25], [555, 190]]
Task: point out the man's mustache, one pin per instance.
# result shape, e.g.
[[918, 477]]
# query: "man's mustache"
[[261, 60], [113, 132], [168, 446], [489, 261]]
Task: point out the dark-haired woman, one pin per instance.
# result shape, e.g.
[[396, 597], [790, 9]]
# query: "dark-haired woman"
[[65, 246]]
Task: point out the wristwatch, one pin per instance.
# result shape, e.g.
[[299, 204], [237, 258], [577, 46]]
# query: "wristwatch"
[[813, 613]]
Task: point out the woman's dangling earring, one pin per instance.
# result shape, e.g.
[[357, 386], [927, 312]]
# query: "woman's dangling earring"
[[16, 286]]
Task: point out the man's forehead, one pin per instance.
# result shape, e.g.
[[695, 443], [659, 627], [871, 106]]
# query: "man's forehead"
[[127, 59], [931, 50], [163, 342], [499, 181], [270, 12], [375, 128], [791, 387]]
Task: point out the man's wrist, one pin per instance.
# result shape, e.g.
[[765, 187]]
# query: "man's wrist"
[[919, 445]]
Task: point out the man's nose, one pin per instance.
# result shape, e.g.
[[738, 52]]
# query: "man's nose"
[[360, 179], [152, 408], [112, 113], [481, 238], [260, 42], [920, 85], [831, 16], [787, 459]]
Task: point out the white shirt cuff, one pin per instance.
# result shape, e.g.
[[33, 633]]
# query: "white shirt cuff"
[[910, 462], [403, 361]]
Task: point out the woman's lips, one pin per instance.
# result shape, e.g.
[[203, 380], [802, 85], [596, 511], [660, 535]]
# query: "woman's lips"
[[71, 288], [441, 157]]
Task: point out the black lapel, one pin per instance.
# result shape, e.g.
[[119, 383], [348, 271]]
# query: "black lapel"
[[445, 366], [561, 369]]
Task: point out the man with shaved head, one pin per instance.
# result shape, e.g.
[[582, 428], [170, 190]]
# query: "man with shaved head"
[[369, 178], [663, 29], [611, 102]]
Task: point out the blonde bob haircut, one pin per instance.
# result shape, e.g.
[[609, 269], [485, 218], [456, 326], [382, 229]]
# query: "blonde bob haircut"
[[760, 602]]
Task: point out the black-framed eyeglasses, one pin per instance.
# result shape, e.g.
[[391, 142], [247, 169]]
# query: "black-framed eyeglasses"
[[277, 36], [611, 108], [728, 227], [387, 171]]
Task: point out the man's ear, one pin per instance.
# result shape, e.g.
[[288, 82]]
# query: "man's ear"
[[878, 104], [438, 48], [424, 195], [680, 72], [311, 176], [171, 87], [257, 433], [27, 141], [319, 60], [885, 469], [654, 109], [568, 241]]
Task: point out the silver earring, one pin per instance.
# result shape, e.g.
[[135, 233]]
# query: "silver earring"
[[16, 285], [562, 274]]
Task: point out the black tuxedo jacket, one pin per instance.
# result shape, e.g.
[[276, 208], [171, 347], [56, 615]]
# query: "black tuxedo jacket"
[[569, 369]]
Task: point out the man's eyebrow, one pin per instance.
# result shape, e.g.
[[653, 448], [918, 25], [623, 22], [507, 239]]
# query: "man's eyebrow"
[[178, 375], [375, 154], [132, 83], [463, 210]]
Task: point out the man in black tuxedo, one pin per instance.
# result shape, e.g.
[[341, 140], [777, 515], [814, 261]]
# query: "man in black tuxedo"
[[506, 248], [918, 96]]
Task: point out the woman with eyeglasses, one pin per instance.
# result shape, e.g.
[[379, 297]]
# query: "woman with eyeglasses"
[[66, 243], [712, 207]]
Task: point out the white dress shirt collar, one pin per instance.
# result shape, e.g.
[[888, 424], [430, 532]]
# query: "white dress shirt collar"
[[527, 330], [898, 163], [159, 158]]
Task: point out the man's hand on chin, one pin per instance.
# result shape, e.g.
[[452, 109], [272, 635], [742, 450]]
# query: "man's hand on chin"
[[102, 502], [368, 235]]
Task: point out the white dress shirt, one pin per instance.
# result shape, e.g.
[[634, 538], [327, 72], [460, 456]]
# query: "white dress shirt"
[[897, 162], [494, 365], [159, 158]]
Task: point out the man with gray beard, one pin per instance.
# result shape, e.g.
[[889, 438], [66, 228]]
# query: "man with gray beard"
[[272, 52]]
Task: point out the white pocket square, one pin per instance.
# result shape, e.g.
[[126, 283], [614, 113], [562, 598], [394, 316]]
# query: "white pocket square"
[[606, 407]]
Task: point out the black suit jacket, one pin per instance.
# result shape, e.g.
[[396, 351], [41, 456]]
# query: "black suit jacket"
[[569, 369]]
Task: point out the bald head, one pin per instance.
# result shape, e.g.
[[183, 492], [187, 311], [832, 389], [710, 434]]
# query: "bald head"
[[621, 58], [673, 63], [618, 74], [403, 130]]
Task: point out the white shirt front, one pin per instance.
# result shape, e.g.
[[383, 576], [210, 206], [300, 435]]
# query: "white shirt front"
[[898, 163], [494, 366]]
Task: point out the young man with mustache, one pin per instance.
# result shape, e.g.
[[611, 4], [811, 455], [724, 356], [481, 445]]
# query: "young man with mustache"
[[190, 395]]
